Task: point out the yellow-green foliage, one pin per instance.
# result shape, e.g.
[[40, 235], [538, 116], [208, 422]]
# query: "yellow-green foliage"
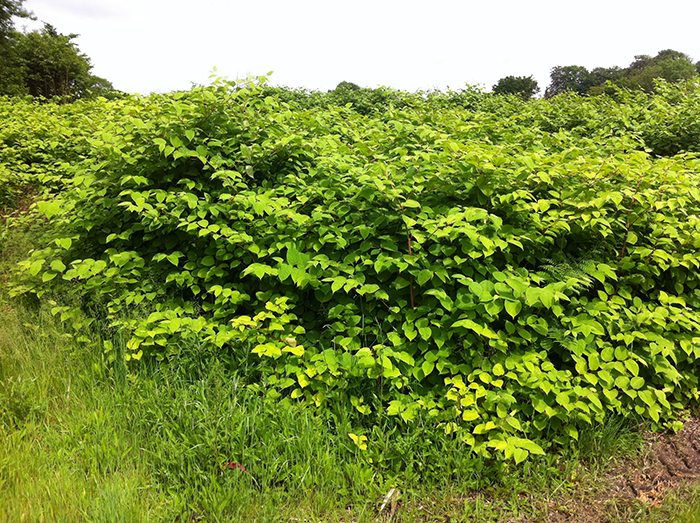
[[35, 138], [504, 279]]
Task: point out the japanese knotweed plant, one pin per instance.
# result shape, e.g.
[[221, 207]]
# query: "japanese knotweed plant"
[[36, 138], [507, 283]]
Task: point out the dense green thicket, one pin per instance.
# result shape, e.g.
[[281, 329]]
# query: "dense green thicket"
[[509, 271], [662, 123], [37, 139]]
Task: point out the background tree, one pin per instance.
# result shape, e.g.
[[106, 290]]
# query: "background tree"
[[524, 86], [573, 78], [604, 80], [668, 64], [8, 9], [47, 64], [344, 87], [602, 75], [10, 77], [672, 66]]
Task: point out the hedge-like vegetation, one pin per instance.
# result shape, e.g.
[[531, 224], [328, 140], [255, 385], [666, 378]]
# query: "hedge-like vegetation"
[[509, 270]]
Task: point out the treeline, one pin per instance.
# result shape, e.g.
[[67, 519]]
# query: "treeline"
[[44, 63], [641, 74], [48, 64], [672, 66]]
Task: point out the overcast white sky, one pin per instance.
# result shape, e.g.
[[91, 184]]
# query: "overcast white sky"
[[163, 45]]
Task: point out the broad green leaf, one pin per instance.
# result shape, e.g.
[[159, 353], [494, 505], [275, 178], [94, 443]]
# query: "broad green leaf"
[[58, 266], [64, 243], [424, 276], [513, 307], [35, 267], [637, 382], [470, 415], [632, 366], [49, 209], [360, 441], [425, 332], [530, 446]]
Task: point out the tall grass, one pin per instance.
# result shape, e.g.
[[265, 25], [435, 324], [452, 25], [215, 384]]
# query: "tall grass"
[[161, 443], [86, 438], [65, 453]]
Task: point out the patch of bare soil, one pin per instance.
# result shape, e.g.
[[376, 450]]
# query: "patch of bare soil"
[[672, 460]]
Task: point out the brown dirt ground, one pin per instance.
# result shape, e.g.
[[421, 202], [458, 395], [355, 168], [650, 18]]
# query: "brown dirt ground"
[[672, 461], [629, 487]]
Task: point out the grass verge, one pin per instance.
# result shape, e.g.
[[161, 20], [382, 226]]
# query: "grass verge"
[[88, 440]]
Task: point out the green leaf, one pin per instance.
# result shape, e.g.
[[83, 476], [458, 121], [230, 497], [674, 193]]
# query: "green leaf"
[[58, 266], [530, 446], [259, 270], [284, 271], [424, 276], [632, 366], [64, 243], [519, 286], [647, 397], [49, 209], [425, 332], [174, 258], [35, 267], [520, 455], [470, 415], [514, 422], [360, 441], [637, 382], [607, 354], [513, 307], [405, 357], [528, 162], [296, 258], [494, 307], [593, 361]]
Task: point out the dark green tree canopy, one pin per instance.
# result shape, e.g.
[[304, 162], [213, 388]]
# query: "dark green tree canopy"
[[524, 86], [47, 64], [344, 87], [670, 65], [574, 78], [668, 54], [8, 9]]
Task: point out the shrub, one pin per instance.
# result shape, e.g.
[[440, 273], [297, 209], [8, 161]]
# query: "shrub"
[[504, 282]]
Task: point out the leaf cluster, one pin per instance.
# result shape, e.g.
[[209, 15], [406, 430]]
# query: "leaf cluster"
[[508, 283]]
